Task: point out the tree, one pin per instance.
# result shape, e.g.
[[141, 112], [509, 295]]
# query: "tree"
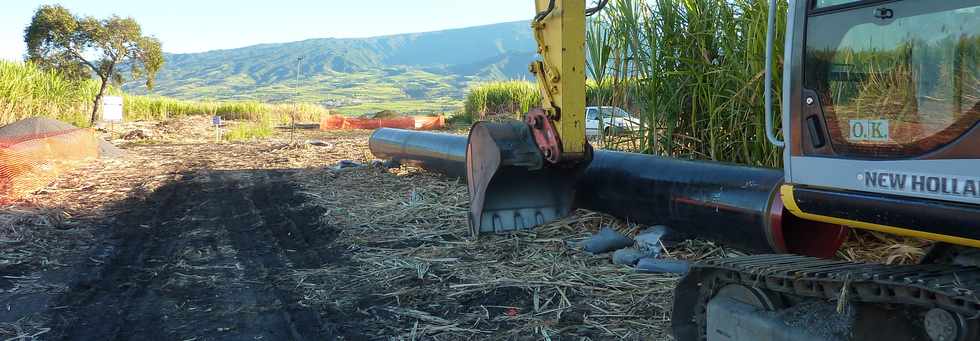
[[81, 46]]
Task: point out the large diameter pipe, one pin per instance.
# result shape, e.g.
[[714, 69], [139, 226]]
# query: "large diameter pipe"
[[443, 153], [735, 205]]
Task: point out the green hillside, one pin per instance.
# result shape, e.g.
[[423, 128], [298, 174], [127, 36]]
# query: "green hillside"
[[409, 72]]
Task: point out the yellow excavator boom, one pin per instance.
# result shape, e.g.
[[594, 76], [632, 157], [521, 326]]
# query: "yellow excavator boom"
[[559, 29]]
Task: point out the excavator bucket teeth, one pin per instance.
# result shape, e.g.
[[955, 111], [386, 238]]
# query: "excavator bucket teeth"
[[510, 187]]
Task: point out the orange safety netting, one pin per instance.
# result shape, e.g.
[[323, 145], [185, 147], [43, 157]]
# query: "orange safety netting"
[[30, 162], [335, 122]]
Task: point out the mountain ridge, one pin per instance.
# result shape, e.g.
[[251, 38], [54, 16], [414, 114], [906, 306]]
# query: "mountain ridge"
[[409, 66]]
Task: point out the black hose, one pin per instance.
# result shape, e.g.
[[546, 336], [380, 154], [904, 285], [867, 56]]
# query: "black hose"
[[602, 3], [588, 12], [541, 15]]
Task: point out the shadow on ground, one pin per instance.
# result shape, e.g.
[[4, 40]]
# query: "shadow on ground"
[[205, 257]]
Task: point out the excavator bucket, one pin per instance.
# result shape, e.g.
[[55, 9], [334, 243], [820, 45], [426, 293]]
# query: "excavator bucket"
[[511, 187]]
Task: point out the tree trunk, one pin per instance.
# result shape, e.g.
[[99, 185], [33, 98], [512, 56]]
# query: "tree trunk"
[[98, 100]]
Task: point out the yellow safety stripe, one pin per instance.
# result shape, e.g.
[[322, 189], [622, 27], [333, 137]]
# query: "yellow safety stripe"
[[789, 201]]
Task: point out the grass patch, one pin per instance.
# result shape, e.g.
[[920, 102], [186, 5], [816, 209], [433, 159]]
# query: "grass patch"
[[247, 131]]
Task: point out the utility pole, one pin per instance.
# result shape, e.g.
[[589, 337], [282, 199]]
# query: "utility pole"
[[298, 59], [292, 117]]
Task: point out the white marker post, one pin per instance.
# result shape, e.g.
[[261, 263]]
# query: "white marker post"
[[216, 123], [112, 111]]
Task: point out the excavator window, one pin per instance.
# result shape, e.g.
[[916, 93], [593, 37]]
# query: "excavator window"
[[832, 3], [895, 79]]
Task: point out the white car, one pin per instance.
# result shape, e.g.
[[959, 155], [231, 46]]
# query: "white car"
[[614, 121]]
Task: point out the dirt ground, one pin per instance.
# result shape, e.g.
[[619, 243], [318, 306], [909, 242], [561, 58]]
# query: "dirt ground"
[[187, 238]]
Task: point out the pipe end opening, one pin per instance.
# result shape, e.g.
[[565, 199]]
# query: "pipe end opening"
[[792, 234]]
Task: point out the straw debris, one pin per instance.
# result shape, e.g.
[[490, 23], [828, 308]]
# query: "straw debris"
[[876, 247], [408, 236]]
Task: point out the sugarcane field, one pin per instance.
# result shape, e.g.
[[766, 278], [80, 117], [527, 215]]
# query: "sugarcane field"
[[705, 170]]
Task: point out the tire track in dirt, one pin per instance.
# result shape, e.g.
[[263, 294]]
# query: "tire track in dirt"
[[204, 258], [116, 276]]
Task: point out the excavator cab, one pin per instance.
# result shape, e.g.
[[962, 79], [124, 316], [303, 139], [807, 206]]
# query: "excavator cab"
[[880, 109], [880, 116]]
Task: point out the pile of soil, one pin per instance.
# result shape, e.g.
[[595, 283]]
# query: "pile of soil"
[[33, 126], [135, 135], [42, 125]]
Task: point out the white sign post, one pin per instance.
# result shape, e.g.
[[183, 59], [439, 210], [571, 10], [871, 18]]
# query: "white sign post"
[[112, 108], [112, 111]]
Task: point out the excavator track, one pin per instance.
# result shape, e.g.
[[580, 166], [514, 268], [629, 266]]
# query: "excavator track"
[[921, 287]]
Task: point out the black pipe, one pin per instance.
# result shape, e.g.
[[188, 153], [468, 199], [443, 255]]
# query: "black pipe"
[[736, 205], [711, 200]]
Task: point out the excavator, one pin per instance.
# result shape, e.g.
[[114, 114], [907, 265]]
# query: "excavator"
[[880, 111]]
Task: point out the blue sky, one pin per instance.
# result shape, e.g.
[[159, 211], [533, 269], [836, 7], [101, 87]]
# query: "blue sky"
[[201, 25]]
